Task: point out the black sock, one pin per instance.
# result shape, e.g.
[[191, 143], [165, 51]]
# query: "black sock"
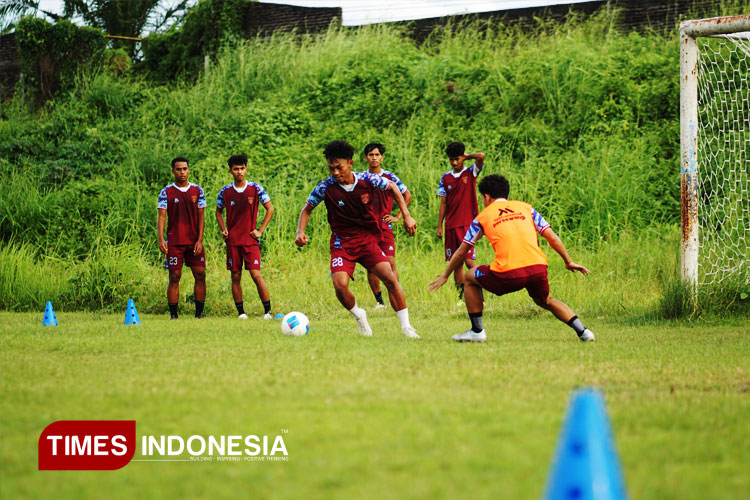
[[379, 297], [460, 289], [240, 307], [173, 310], [476, 322], [199, 308], [576, 325], [266, 307]]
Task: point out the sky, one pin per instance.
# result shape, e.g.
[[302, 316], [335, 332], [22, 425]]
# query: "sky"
[[357, 12]]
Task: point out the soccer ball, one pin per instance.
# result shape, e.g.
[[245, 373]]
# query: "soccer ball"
[[295, 324]]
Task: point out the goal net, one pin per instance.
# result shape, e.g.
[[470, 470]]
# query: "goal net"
[[716, 163]]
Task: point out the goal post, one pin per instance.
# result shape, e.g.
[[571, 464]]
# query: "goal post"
[[715, 150]]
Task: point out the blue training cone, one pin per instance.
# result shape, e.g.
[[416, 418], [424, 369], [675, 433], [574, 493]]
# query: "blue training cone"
[[278, 316], [586, 466], [49, 315], [131, 315]]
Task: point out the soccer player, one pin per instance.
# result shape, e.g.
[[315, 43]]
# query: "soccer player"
[[183, 204], [458, 204], [374, 155], [241, 199], [511, 227], [355, 231]]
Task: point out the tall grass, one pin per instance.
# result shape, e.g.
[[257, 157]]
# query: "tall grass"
[[582, 119]]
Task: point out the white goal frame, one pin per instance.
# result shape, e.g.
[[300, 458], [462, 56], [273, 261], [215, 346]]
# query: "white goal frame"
[[689, 198]]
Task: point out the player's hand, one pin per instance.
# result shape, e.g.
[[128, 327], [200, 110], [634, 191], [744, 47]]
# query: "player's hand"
[[163, 247], [573, 267], [410, 225], [390, 218], [301, 240], [255, 234], [440, 281], [198, 248], [439, 233], [225, 233]]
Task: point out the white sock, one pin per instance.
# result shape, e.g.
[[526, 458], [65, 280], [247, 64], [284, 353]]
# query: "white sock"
[[403, 317], [358, 312]]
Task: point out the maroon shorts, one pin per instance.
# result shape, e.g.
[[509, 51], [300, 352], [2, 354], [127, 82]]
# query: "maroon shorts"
[[179, 254], [388, 243], [249, 254], [453, 239], [532, 278], [346, 254]]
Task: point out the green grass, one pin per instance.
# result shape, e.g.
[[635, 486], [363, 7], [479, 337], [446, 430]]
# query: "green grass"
[[383, 417]]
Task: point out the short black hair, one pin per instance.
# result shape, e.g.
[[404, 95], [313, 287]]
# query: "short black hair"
[[237, 160], [494, 185], [374, 145], [338, 150], [455, 149], [179, 159]]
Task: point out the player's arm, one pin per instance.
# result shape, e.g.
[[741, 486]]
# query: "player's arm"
[[557, 245], [256, 233], [456, 262], [304, 217], [409, 223], [399, 214], [198, 248], [478, 161], [161, 221], [441, 217], [220, 220]]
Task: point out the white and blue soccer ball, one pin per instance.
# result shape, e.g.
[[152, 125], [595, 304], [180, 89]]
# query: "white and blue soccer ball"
[[295, 324]]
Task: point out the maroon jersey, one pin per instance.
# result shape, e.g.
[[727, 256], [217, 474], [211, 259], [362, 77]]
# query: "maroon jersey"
[[460, 196], [354, 211], [182, 206], [242, 211], [384, 199]]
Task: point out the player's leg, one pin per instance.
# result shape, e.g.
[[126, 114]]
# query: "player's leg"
[[237, 293], [396, 296], [374, 283], [474, 308], [173, 291], [342, 268], [199, 289], [263, 294], [538, 289], [346, 297], [253, 264]]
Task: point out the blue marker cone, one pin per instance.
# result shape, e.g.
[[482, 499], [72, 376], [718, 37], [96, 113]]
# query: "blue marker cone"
[[278, 316], [586, 465], [49, 315], [131, 315]]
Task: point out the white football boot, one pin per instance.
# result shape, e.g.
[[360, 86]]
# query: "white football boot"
[[379, 306], [410, 332], [268, 316], [242, 316], [469, 336], [587, 336], [363, 326]]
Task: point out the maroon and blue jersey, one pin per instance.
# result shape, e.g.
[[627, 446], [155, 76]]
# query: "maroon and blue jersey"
[[353, 211], [460, 195], [385, 199], [182, 206], [242, 211]]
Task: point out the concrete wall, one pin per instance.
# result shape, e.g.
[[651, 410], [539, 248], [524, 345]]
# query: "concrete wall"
[[266, 18], [636, 14], [10, 64]]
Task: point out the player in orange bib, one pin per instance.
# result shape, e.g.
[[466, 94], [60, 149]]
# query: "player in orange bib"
[[512, 228]]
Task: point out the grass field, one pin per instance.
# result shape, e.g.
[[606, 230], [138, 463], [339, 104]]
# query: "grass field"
[[383, 417]]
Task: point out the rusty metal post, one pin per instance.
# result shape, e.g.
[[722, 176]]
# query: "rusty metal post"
[[689, 161]]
